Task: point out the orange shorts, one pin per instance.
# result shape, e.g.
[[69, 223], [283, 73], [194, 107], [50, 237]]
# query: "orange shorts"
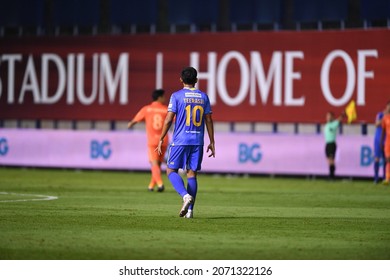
[[153, 155]]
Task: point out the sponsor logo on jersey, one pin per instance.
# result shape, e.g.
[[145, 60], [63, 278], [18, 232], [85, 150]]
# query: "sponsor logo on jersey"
[[193, 94]]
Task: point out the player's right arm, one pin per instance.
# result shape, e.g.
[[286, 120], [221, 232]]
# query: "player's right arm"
[[167, 125], [140, 116], [131, 124], [382, 141]]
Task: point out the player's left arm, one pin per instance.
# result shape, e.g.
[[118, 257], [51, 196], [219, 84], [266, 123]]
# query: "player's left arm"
[[167, 125]]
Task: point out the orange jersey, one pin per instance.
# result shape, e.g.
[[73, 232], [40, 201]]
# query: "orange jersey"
[[386, 130], [386, 127], [154, 115]]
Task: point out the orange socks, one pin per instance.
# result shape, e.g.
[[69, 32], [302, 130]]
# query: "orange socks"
[[152, 183], [156, 175]]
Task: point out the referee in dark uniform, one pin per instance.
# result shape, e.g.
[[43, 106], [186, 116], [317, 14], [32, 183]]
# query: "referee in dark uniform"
[[330, 133]]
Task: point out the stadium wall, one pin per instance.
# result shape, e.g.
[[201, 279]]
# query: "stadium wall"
[[247, 153], [277, 77]]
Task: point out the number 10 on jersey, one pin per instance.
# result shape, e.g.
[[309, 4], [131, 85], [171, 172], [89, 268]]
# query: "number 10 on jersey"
[[191, 115]]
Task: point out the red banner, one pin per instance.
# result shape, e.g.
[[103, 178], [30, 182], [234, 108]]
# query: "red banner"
[[249, 76]]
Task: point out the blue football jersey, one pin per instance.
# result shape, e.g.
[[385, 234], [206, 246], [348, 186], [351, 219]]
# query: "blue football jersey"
[[190, 106]]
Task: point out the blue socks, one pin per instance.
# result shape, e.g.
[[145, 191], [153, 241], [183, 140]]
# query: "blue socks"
[[177, 183], [192, 188], [377, 165], [376, 171]]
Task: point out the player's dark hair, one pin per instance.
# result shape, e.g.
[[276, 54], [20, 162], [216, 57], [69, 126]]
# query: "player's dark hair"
[[189, 75], [157, 93]]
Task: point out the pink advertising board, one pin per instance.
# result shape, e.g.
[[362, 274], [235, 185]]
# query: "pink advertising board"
[[74, 149], [235, 153]]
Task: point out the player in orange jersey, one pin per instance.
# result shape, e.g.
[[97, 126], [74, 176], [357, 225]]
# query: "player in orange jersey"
[[154, 115], [386, 143]]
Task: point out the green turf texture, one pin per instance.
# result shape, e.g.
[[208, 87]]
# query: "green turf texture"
[[110, 215]]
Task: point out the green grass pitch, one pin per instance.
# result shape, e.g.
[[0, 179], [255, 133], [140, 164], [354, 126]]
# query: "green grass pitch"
[[111, 215]]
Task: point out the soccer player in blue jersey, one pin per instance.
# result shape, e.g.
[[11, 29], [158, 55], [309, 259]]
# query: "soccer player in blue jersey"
[[378, 149], [192, 110]]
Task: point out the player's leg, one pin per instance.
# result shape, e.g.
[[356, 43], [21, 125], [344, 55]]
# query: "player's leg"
[[330, 151], [332, 168], [152, 159], [378, 154], [177, 156], [151, 185], [193, 165], [384, 164], [387, 154], [176, 181], [387, 176], [160, 183], [376, 170], [178, 184], [192, 188], [155, 166], [156, 173]]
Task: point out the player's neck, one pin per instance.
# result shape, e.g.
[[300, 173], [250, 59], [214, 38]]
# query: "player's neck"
[[188, 86]]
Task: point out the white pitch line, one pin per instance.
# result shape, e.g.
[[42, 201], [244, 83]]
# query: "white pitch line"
[[40, 197]]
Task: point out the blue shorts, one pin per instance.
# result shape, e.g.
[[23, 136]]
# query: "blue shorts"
[[185, 157]]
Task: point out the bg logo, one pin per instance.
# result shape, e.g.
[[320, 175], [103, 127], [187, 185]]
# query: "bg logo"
[[100, 149], [3, 146], [249, 153], [367, 156]]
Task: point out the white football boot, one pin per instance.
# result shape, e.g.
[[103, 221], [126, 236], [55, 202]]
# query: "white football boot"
[[187, 200], [190, 214]]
